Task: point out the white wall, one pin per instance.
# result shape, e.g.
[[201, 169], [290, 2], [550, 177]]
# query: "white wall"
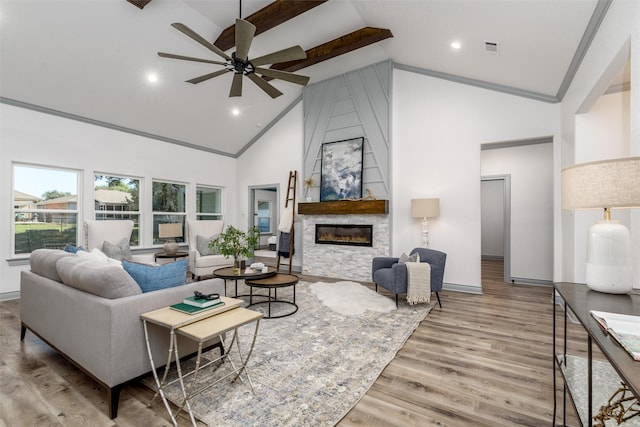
[[617, 41], [438, 127], [268, 162], [531, 170], [37, 138]]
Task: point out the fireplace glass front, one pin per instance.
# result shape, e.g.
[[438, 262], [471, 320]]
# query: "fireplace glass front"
[[344, 234]]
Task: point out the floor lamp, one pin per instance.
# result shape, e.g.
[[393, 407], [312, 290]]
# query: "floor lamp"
[[606, 185], [425, 208]]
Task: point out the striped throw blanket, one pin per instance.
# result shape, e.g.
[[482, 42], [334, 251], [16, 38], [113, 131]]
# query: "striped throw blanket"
[[418, 282]]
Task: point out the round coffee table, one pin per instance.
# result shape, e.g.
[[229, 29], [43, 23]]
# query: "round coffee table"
[[226, 273], [274, 282]]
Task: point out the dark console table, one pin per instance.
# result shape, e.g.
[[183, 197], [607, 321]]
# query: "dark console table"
[[597, 375]]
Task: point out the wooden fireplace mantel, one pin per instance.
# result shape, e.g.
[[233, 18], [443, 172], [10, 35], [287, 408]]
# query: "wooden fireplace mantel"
[[344, 207]]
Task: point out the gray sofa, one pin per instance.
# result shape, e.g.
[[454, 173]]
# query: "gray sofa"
[[102, 335]]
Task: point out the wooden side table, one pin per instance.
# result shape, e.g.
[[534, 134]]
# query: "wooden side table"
[[200, 327], [163, 255]]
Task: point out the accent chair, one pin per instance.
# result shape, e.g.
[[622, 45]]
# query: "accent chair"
[[392, 275], [202, 261]]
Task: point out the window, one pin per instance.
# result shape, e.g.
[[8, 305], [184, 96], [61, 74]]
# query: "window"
[[168, 207], [45, 207], [208, 202], [264, 216], [118, 197]]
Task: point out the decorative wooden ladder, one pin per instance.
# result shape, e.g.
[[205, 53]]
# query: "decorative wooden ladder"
[[290, 202]]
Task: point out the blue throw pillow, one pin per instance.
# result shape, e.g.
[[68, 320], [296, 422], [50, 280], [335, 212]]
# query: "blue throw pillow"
[[73, 249], [152, 278]]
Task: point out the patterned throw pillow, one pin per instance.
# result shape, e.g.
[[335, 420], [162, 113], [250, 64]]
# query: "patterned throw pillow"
[[152, 278], [119, 250], [202, 244], [404, 258]]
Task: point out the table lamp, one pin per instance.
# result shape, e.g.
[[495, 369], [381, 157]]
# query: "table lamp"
[[170, 231], [425, 208], [607, 184]]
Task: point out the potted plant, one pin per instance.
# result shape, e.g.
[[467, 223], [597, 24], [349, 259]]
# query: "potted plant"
[[235, 243]]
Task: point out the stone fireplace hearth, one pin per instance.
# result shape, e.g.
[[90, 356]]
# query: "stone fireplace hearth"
[[341, 260]]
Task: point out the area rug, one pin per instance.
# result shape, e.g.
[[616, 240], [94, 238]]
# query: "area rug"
[[351, 298], [308, 369]]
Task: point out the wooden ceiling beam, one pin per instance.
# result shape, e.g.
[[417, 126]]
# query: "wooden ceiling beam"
[[270, 16], [336, 47], [139, 3]]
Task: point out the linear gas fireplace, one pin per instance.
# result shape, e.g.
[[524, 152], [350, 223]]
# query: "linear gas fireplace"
[[344, 234]]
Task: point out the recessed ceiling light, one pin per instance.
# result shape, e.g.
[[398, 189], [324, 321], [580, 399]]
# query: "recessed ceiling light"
[[456, 45], [235, 111], [152, 77]]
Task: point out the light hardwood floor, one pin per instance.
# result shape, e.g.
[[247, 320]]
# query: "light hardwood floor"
[[481, 360]]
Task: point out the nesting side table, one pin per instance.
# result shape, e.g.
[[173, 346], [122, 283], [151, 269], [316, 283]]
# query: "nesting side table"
[[200, 327]]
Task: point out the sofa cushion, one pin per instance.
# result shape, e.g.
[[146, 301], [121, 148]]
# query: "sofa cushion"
[[105, 280], [151, 278], [43, 262], [202, 244], [118, 250]]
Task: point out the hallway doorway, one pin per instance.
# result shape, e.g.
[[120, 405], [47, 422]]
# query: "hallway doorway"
[[264, 212], [496, 225]]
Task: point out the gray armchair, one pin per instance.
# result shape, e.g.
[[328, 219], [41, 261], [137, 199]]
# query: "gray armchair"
[[391, 275]]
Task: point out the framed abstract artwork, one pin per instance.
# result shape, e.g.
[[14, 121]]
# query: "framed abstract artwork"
[[341, 170]]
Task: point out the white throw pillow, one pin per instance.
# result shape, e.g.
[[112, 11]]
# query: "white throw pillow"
[[96, 255]]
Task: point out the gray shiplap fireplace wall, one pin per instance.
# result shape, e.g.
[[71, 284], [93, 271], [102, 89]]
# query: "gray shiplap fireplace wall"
[[352, 105]]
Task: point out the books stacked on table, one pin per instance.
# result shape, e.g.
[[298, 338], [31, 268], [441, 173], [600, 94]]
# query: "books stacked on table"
[[202, 302], [193, 304]]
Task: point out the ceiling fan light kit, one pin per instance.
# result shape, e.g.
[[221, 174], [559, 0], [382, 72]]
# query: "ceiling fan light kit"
[[239, 62]]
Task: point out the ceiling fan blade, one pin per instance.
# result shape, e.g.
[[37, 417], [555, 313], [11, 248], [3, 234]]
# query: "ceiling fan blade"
[[267, 87], [283, 75], [200, 79], [292, 53], [189, 58], [268, 17], [236, 85], [195, 36], [244, 36]]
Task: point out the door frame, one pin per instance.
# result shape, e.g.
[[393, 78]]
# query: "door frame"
[[506, 210], [252, 203]]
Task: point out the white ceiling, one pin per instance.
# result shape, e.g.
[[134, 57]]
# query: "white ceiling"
[[90, 58]]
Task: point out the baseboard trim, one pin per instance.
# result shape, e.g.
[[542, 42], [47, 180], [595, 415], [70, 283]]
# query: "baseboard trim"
[[8, 296], [467, 289], [557, 299], [536, 282]]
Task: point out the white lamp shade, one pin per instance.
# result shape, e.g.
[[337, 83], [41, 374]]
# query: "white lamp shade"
[[169, 231], [604, 184], [425, 208]]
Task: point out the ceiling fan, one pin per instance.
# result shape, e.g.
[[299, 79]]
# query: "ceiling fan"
[[239, 62]]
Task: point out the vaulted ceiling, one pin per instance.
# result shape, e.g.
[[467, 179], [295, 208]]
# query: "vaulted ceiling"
[[90, 59]]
